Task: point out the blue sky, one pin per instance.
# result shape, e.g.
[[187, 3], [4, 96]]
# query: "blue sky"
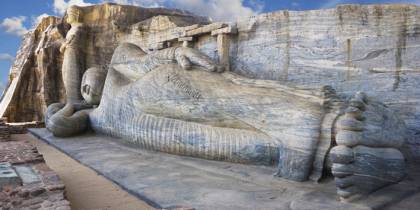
[[19, 16]]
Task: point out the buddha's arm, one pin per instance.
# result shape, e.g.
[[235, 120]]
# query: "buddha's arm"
[[317, 95], [184, 56], [66, 120], [132, 62]]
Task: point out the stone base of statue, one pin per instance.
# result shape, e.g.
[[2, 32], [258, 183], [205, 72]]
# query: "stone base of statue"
[[165, 180]]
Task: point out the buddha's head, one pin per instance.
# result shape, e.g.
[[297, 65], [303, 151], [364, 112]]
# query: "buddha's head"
[[73, 15], [92, 85]]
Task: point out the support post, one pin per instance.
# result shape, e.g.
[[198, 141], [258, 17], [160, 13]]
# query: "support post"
[[186, 41], [223, 45]]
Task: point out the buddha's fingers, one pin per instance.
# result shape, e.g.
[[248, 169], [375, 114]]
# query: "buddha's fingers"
[[196, 58], [183, 62]]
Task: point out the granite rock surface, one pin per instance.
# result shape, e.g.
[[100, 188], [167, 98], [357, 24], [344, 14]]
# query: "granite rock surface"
[[352, 48], [35, 79]]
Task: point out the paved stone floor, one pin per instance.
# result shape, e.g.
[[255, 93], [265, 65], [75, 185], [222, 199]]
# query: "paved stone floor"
[[166, 181], [38, 187], [19, 152]]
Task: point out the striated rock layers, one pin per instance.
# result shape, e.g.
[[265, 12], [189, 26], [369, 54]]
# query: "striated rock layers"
[[35, 77], [374, 49]]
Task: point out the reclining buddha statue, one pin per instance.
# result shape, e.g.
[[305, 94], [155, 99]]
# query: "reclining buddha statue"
[[178, 101]]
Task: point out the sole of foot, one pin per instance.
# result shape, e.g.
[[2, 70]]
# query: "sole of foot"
[[367, 155]]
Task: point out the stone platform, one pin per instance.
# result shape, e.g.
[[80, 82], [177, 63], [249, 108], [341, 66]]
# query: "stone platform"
[[168, 181]]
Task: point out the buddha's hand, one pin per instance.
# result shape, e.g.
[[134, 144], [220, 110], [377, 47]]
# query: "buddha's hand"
[[187, 57]]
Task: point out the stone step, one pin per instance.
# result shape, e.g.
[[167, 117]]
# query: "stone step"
[[8, 176]]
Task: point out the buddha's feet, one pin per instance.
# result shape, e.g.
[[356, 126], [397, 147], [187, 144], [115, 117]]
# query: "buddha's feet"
[[367, 155]]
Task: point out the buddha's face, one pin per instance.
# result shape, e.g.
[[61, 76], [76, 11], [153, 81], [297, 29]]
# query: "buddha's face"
[[92, 85]]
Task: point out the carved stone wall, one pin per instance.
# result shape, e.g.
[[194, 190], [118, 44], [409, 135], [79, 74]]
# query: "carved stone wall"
[[35, 77], [375, 49], [372, 48]]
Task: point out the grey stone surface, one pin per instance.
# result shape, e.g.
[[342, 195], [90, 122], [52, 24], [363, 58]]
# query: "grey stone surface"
[[369, 48], [273, 109], [27, 174], [35, 79], [318, 200], [369, 137], [165, 180], [8, 176], [177, 100]]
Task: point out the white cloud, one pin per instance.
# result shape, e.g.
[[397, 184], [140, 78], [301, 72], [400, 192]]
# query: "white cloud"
[[60, 6], [6, 57], [227, 10], [36, 20], [218, 10], [14, 25], [141, 3]]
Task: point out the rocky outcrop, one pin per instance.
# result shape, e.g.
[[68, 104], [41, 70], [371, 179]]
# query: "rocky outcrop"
[[35, 77], [352, 48]]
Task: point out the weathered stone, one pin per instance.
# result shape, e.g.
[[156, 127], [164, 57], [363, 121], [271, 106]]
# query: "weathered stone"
[[16, 152], [186, 41], [47, 203], [23, 193], [188, 38], [368, 156], [38, 186], [4, 133], [36, 75], [223, 43], [369, 48], [150, 96], [364, 174], [175, 99], [21, 128], [36, 191], [27, 174], [226, 30], [204, 29], [8, 176], [189, 109], [346, 54], [319, 201], [204, 184]]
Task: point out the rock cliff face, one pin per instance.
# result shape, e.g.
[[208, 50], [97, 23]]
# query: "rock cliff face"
[[353, 48], [35, 77], [375, 49]]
